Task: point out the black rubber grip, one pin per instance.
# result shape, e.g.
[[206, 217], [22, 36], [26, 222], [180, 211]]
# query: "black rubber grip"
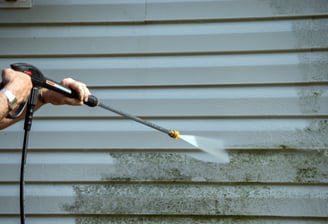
[[92, 101]]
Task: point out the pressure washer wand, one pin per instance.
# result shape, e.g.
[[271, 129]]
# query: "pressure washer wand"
[[172, 133]]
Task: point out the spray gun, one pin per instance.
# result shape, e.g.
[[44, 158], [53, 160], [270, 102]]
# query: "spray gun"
[[39, 80]]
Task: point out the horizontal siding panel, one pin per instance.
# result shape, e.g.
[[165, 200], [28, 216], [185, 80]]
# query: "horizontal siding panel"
[[189, 102], [175, 199], [38, 220], [301, 133], [164, 39], [236, 9], [102, 167], [158, 10], [131, 219], [168, 219], [251, 69], [45, 11], [152, 220]]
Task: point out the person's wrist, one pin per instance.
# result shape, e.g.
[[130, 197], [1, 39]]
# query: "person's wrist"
[[4, 102], [11, 98]]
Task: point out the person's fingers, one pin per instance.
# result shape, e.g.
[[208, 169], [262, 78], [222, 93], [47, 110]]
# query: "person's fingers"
[[86, 92], [81, 89]]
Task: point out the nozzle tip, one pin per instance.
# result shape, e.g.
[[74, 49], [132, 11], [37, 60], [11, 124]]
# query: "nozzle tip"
[[174, 134]]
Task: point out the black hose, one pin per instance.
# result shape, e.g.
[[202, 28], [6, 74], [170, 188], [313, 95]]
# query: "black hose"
[[33, 99], [22, 179]]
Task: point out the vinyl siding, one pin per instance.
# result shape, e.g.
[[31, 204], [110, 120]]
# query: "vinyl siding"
[[253, 74]]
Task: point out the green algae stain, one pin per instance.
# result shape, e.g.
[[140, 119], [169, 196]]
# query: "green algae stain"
[[308, 174]]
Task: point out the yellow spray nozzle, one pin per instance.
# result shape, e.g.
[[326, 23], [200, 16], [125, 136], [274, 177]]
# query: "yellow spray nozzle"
[[174, 134]]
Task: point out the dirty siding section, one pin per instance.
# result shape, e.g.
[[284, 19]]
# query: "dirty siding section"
[[253, 74]]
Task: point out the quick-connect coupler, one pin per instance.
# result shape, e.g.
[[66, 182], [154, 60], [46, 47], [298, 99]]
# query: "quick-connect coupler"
[[174, 134]]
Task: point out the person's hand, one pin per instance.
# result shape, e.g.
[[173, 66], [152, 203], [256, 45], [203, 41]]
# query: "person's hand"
[[49, 96], [18, 83]]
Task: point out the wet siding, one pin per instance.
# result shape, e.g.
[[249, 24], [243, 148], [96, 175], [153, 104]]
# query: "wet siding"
[[251, 73]]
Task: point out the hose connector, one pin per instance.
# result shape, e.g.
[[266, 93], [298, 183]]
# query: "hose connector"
[[174, 134]]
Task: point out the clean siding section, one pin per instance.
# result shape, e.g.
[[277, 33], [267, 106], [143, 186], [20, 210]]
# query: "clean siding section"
[[251, 73], [194, 38]]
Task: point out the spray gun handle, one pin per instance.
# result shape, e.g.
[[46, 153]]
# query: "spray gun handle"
[[39, 80]]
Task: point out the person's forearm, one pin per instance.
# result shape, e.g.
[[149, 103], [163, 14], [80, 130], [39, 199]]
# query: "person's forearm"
[[4, 106], [5, 122]]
